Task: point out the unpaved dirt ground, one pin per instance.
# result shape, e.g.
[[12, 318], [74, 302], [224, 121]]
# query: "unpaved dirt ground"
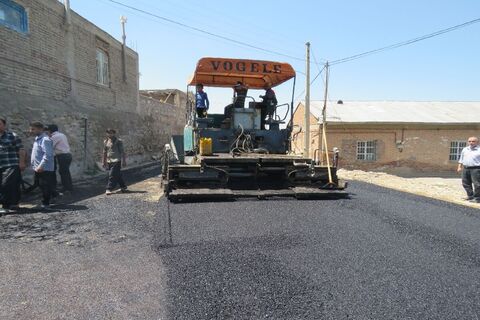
[[447, 189]]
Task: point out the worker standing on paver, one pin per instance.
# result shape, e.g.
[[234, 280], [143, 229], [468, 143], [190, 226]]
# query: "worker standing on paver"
[[114, 158], [12, 162], [201, 101], [469, 165], [268, 105]]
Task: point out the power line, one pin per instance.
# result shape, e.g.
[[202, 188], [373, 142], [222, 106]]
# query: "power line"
[[315, 78], [212, 17], [236, 21], [206, 32], [311, 82], [404, 43], [315, 60], [154, 20]]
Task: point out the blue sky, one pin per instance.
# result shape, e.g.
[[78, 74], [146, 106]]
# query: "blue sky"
[[443, 68]]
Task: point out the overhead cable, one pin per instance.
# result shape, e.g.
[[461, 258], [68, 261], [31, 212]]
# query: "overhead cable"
[[404, 43], [184, 25]]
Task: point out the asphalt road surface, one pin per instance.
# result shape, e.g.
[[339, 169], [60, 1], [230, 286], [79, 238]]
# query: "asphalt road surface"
[[381, 254]]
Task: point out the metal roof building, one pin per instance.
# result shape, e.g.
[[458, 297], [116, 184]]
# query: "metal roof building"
[[398, 112], [381, 135]]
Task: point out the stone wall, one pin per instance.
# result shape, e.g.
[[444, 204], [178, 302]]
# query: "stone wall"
[[160, 120], [144, 132]]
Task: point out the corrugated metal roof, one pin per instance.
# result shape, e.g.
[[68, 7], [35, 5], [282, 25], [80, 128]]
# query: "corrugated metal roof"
[[399, 112]]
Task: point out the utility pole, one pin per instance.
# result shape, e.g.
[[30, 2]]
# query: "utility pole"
[[324, 113], [123, 20], [306, 125], [324, 129]]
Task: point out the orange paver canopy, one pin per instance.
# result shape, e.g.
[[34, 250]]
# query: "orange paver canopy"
[[255, 74]]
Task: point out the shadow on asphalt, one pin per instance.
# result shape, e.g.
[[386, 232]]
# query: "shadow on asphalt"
[[53, 208], [135, 191], [94, 186], [249, 199]]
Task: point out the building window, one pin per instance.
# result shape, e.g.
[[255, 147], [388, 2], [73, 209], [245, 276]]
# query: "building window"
[[456, 148], [367, 150], [13, 16], [102, 68]]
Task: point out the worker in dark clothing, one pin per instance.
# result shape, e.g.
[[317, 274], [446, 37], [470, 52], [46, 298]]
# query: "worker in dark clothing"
[[240, 93], [114, 159], [268, 104], [201, 101], [12, 162]]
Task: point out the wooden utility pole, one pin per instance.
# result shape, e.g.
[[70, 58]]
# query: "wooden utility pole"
[[324, 114], [324, 128], [306, 125]]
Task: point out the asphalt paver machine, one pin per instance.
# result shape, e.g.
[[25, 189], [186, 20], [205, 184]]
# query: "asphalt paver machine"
[[245, 151]]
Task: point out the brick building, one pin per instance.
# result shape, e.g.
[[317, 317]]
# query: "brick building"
[[392, 135], [55, 53], [57, 67]]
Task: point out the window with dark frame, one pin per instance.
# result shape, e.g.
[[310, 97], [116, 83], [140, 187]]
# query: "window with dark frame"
[[102, 68], [13, 16], [367, 150], [456, 148]]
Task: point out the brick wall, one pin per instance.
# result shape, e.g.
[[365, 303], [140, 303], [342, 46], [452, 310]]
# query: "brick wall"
[[58, 60], [49, 74], [417, 147], [299, 131]]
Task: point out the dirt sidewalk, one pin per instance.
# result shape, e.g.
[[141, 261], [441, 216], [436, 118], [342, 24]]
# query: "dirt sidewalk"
[[446, 189]]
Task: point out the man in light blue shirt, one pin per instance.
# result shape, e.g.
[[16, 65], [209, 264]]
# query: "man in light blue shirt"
[[201, 101], [42, 161], [469, 165]]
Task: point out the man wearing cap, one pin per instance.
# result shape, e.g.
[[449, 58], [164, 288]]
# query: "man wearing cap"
[[469, 165], [239, 96], [12, 162], [240, 93]]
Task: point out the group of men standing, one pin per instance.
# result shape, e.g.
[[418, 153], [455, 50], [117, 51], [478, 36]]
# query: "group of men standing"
[[50, 153], [50, 150]]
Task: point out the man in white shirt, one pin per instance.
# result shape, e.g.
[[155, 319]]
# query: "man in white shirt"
[[469, 165], [63, 157]]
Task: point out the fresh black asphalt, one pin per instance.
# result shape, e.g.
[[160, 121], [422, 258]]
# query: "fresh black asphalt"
[[380, 254]]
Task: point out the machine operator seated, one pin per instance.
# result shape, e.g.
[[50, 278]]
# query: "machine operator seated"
[[239, 95]]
